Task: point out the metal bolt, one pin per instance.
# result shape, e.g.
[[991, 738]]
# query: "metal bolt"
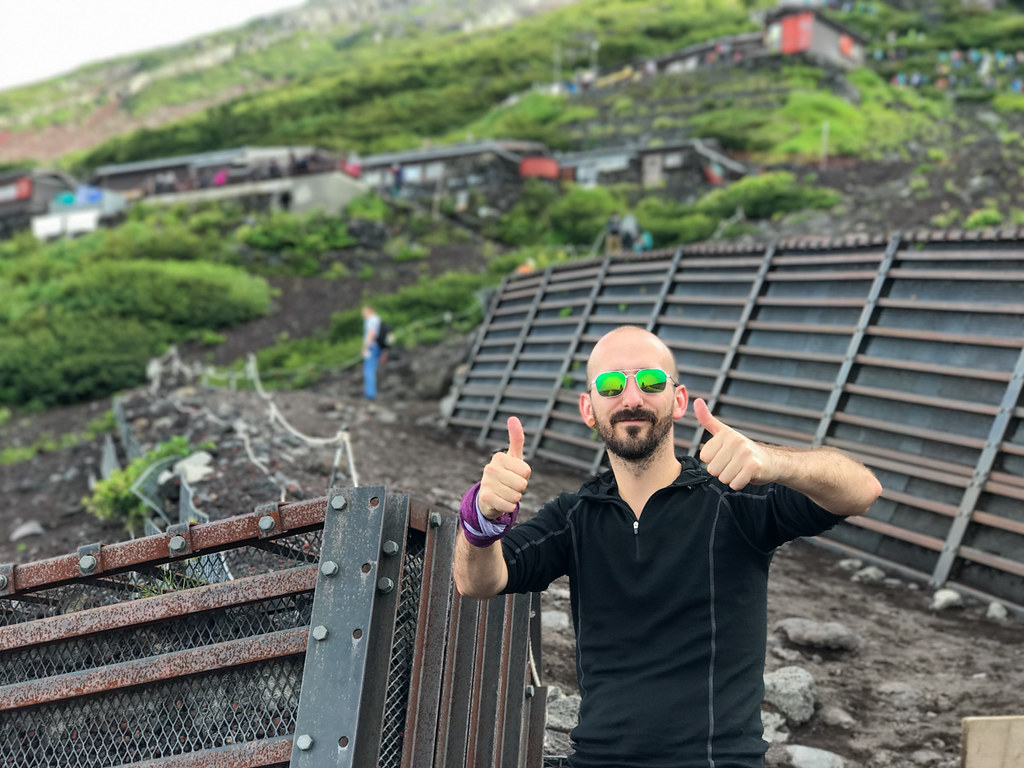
[[3, 581], [87, 564], [329, 568], [385, 585], [319, 632], [304, 742], [390, 547], [338, 502], [176, 544], [435, 519], [267, 523]]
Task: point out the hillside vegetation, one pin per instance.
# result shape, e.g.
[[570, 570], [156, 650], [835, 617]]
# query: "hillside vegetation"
[[340, 88], [79, 319]]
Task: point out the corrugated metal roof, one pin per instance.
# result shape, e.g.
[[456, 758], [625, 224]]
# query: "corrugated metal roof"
[[510, 149], [198, 159]]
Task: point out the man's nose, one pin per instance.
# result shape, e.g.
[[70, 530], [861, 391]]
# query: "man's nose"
[[631, 395]]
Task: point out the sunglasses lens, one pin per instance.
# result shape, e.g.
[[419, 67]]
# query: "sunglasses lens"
[[651, 380], [610, 384]]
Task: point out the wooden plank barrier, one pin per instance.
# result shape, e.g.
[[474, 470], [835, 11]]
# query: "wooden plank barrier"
[[905, 351], [993, 742]]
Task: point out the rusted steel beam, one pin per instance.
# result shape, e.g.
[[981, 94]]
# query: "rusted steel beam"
[[252, 754], [936, 368], [895, 532], [456, 688], [916, 334], [422, 515], [202, 539], [428, 662], [959, 274], [993, 561], [995, 521], [211, 597], [156, 669]]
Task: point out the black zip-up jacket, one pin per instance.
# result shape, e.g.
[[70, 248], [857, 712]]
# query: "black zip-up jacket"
[[670, 613]]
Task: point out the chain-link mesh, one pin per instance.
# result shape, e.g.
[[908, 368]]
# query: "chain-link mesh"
[[173, 717], [111, 698], [158, 720], [163, 637], [189, 573], [402, 647]]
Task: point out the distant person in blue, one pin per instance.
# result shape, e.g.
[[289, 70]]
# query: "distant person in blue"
[[371, 352]]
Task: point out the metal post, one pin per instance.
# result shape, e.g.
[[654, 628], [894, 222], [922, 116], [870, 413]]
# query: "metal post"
[[982, 471], [327, 732], [737, 338], [843, 375], [513, 358], [477, 342]]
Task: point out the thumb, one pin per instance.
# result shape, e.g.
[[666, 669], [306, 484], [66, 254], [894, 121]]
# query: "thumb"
[[704, 417], [516, 437]]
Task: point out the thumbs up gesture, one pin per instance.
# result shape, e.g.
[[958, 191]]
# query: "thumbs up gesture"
[[730, 456], [505, 476]]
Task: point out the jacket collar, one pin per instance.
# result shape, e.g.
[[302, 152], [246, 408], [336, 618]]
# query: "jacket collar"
[[604, 485]]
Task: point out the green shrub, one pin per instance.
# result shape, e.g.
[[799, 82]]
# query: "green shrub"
[[76, 358], [580, 215], [760, 197], [198, 295], [281, 232], [210, 338], [112, 499], [1009, 102], [400, 249], [528, 222], [88, 333], [984, 218], [368, 206], [671, 223]]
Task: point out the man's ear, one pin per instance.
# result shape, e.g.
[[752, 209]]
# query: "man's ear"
[[681, 399], [587, 410]]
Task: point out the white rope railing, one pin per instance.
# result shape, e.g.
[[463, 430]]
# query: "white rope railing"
[[170, 363]]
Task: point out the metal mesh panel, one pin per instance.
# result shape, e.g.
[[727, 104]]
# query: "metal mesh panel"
[[172, 718], [275, 555], [132, 643], [166, 663], [181, 574], [69, 598], [400, 666]]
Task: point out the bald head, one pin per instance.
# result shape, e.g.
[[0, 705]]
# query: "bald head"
[[627, 348]]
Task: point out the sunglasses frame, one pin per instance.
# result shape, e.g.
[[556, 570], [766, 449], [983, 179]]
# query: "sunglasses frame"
[[634, 373]]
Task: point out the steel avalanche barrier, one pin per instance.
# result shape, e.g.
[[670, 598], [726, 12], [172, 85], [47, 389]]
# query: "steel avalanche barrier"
[[340, 642], [906, 351]]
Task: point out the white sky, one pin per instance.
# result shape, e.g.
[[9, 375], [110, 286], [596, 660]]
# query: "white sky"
[[43, 38]]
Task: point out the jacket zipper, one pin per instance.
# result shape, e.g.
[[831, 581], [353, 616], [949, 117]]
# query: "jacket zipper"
[[636, 537]]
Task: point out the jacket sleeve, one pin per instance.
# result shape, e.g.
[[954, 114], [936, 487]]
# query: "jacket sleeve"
[[538, 551], [770, 515]]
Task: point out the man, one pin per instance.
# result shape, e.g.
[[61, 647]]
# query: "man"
[[667, 561], [371, 352]]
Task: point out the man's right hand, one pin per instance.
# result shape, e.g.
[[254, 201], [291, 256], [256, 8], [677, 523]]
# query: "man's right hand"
[[505, 476]]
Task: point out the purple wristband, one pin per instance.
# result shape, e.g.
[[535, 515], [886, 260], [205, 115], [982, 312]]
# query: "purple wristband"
[[469, 518]]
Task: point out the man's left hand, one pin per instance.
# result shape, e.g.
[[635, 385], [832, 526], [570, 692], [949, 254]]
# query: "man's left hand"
[[730, 456]]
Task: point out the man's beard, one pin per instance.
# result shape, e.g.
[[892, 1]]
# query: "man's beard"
[[636, 447]]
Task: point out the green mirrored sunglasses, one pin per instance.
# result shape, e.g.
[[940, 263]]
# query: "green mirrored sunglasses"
[[649, 380]]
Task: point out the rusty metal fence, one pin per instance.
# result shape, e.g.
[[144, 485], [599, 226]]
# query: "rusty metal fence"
[[339, 641], [907, 352]]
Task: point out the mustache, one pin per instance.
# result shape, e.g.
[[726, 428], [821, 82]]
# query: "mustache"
[[633, 414]]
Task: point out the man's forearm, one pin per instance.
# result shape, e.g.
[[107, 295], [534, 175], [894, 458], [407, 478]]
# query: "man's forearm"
[[828, 477], [478, 571]]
